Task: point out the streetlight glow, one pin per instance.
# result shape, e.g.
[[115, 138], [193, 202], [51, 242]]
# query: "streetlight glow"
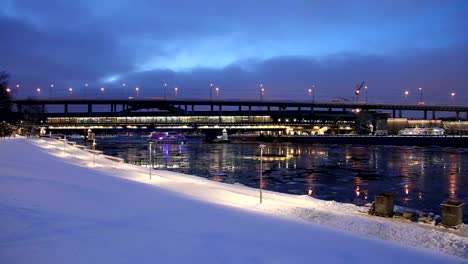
[[70, 91], [137, 91], [102, 90], [38, 90], [176, 91]]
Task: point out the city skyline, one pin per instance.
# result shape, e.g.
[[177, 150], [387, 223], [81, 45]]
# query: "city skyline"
[[289, 47]]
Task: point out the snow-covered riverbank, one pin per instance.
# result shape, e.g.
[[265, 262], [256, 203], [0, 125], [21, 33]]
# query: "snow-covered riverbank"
[[57, 207]]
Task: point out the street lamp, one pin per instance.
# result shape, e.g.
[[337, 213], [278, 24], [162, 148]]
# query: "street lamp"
[[262, 92], [85, 89], [50, 90], [38, 90], [150, 159], [365, 89], [420, 96], [94, 152], [165, 87], [217, 91], [124, 90], [137, 91], [211, 88], [176, 91], [262, 146], [406, 96], [102, 90], [8, 90], [70, 91], [452, 97]]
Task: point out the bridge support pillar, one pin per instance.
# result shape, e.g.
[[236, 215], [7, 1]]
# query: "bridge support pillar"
[[211, 108], [250, 110], [393, 112], [458, 115], [400, 113], [433, 115], [425, 114], [90, 108], [220, 109], [185, 108], [240, 108], [65, 110], [268, 108], [298, 109], [193, 109]]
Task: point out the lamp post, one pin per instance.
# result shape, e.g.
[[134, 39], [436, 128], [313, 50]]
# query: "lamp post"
[[262, 92], [211, 88], [452, 97], [94, 152], [137, 91], [50, 90], [38, 90], [176, 91], [70, 91], [165, 87], [309, 92], [124, 89], [217, 91], [102, 90], [85, 89], [262, 146], [406, 96], [420, 96], [365, 89], [8, 90], [150, 159]]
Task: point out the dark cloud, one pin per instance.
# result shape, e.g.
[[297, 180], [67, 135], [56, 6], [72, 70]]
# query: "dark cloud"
[[287, 45]]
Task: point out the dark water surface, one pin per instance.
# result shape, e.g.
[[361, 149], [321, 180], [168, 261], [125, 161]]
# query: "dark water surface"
[[420, 177]]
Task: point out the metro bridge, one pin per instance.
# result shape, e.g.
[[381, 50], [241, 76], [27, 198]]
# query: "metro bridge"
[[125, 106], [264, 115]]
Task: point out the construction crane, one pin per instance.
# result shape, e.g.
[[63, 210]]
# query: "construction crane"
[[357, 92]]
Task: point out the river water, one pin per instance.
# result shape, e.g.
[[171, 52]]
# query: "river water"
[[420, 177]]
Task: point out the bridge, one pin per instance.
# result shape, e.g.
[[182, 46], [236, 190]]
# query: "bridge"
[[125, 106], [264, 115]]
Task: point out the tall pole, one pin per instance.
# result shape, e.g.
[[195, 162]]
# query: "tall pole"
[[365, 88], [406, 96], [211, 90], [452, 95], [150, 159], [313, 93], [94, 152], [261, 170], [420, 95], [165, 87]]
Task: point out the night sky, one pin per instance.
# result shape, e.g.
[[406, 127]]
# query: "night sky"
[[288, 46]]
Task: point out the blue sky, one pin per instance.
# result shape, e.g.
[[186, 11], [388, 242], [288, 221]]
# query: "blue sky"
[[287, 45]]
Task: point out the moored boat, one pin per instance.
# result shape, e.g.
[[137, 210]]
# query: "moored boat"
[[167, 138]]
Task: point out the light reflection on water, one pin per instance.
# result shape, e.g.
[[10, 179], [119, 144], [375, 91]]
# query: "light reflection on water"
[[420, 178]]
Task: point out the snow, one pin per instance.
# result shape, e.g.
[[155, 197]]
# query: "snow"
[[58, 207]]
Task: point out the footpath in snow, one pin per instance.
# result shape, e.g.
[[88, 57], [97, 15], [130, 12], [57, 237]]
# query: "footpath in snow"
[[56, 206]]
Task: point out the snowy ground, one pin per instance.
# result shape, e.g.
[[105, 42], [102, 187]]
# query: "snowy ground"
[[58, 207]]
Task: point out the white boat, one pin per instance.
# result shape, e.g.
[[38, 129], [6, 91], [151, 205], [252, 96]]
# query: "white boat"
[[223, 138], [422, 131]]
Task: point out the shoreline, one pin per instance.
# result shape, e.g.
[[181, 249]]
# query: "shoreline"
[[328, 214]]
